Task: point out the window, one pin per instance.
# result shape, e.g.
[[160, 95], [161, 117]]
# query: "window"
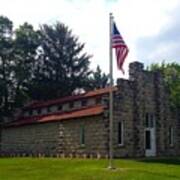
[[148, 139], [82, 135], [120, 133], [65, 107], [39, 111], [30, 112], [98, 100], [34, 112], [26, 113], [171, 136], [84, 102], [48, 109], [59, 107], [149, 120], [71, 104]]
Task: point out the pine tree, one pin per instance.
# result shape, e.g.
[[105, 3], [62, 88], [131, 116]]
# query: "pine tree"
[[6, 49], [26, 42], [98, 79], [62, 66]]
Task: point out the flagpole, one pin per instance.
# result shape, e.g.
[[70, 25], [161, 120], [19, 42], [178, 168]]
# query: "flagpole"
[[110, 94]]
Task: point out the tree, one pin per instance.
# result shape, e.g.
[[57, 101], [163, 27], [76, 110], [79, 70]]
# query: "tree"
[[171, 73], [42, 64], [98, 79], [62, 66], [17, 58], [6, 49], [26, 42]]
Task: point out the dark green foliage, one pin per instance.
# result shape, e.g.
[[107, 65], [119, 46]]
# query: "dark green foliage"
[[26, 42], [6, 52], [98, 79], [62, 66], [6, 27], [41, 64], [17, 58], [171, 72]]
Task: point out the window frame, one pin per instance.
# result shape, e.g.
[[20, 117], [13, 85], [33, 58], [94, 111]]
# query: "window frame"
[[149, 120]]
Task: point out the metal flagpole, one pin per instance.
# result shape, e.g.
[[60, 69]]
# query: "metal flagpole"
[[110, 94]]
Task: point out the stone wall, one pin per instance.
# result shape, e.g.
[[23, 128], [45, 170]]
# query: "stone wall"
[[164, 118], [143, 93], [57, 138], [151, 96], [123, 112], [96, 143], [31, 139]]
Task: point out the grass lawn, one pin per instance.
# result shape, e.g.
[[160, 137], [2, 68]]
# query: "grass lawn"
[[60, 169]]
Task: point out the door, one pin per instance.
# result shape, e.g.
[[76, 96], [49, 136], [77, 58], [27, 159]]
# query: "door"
[[150, 144]]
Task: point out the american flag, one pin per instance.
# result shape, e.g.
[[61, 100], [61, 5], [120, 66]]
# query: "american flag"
[[120, 47]]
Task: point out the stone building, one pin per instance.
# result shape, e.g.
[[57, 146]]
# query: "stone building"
[[78, 126]]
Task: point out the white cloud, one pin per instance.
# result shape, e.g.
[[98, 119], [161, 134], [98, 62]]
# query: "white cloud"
[[89, 20], [163, 45]]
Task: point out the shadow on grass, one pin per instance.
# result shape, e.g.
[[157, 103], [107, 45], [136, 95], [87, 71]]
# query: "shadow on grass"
[[169, 161]]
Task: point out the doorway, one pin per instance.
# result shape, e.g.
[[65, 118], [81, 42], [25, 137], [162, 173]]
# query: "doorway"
[[150, 136]]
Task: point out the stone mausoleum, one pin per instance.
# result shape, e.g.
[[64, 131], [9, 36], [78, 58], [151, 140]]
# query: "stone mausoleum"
[[78, 126]]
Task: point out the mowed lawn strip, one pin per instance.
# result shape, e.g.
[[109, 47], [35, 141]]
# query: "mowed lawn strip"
[[87, 169]]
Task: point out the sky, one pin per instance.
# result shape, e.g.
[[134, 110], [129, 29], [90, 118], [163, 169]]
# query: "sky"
[[150, 28]]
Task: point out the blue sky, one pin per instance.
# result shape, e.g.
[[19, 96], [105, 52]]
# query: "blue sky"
[[151, 28]]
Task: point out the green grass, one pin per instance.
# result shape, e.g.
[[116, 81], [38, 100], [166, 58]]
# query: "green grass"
[[67, 169]]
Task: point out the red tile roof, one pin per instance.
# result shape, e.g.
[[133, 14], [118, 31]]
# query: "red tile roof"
[[39, 104], [59, 116]]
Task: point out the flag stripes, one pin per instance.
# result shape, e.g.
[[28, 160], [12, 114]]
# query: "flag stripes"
[[120, 46]]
